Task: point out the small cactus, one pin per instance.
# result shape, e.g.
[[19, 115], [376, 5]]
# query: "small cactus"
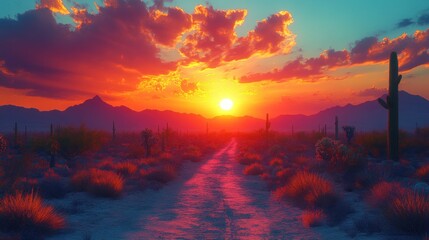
[[3, 144], [336, 127], [267, 124], [113, 131], [391, 104], [350, 133], [148, 140]]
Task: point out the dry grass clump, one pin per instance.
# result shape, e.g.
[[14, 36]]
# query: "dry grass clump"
[[162, 174], [384, 192], [28, 213], [313, 218], [192, 153], [309, 188], [254, 169], [249, 158], [126, 168], [409, 212], [423, 172], [100, 183]]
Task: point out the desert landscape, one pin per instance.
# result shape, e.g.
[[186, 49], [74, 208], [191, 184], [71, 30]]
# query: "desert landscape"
[[168, 119]]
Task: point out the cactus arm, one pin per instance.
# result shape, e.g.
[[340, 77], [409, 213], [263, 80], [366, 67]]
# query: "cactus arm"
[[383, 103], [399, 79]]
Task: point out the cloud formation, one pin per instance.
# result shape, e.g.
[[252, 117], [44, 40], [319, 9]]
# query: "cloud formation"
[[55, 6], [405, 23], [109, 51], [214, 40], [412, 50]]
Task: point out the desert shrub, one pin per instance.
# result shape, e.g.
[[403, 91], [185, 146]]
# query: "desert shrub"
[[254, 169], [16, 168], [325, 149], [423, 172], [192, 153], [100, 183], [249, 158], [284, 174], [384, 192], [75, 141], [409, 212], [309, 188], [347, 158], [276, 162], [374, 143], [313, 218], [28, 213], [162, 174], [126, 168], [165, 157]]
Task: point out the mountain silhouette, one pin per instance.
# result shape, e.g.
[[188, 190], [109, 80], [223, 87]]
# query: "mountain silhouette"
[[97, 114]]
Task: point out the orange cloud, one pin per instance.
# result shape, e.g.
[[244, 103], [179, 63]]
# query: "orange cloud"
[[412, 50], [55, 6], [214, 40]]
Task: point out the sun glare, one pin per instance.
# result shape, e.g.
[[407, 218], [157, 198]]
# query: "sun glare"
[[226, 104]]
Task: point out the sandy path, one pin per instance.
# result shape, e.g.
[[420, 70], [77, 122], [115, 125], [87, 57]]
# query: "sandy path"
[[210, 200]]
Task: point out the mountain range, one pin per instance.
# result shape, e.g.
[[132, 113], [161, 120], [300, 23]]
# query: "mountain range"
[[97, 114]]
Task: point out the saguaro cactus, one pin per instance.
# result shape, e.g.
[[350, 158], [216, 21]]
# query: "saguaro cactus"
[[267, 124], [391, 104], [113, 131], [336, 127]]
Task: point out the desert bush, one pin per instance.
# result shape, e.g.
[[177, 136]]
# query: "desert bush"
[[423, 173], [192, 153], [276, 162], [75, 141], [347, 158], [313, 218], [28, 213], [249, 158], [374, 143], [409, 212], [284, 174], [325, 149], [162, 174], [126, 168], [384, 192], [309, 188], [100, 183], [254, 169]]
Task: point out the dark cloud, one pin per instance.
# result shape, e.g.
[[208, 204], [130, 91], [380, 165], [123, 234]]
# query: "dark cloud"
[[423, 19], [405, 23]]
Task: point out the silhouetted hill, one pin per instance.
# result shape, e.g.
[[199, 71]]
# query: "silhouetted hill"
[[97, 114], [367, 116]]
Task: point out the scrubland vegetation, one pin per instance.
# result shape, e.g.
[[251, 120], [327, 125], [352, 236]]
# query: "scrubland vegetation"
[[41, 166], [350, 185]]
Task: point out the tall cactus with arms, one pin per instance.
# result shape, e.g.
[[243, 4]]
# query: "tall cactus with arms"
[[391, 104]]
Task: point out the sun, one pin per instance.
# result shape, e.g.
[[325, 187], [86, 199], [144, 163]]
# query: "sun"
[[226, 104]]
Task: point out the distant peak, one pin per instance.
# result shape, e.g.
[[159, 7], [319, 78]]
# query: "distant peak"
[[97, 98]]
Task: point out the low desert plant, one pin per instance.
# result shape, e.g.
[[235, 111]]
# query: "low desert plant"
[[409, 212], [384, 192], [126, 168], [309, 188], [313, 218], [162, 174], [423, 173], [249, 158], [28, 213], [254, 169], [325, 149], [192, 153], [276, 162], [100, 183]]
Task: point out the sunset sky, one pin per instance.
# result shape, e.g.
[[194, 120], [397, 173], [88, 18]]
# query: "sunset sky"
[[272, 56]]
